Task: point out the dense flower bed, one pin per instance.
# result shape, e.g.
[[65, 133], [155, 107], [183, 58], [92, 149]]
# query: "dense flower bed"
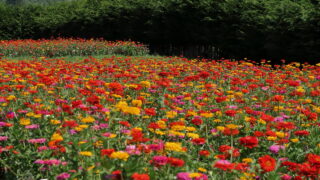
[[70, 47], [158, 118]]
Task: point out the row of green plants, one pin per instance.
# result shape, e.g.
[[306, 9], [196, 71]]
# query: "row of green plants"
[[252, 28], [70, 47]]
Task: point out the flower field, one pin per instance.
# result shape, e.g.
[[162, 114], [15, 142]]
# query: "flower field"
[[146, 118], [70, 47]]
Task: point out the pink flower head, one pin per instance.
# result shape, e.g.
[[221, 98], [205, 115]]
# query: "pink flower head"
[[275, 148], [63, 176], [183, 176], [42, 148], [32, 126], [37, 141], [159, 160], [3, 138], [103, 125], [2, 100], [132, 150], [286, 177], [107, 134]]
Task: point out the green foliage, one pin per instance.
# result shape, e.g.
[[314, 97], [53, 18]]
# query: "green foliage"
[[238, 28]]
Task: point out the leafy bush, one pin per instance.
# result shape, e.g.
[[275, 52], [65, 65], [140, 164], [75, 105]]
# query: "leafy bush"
[[253, 28]]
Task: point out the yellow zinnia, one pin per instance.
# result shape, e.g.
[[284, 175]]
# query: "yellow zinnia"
[[120, 155], [173, 146], [85, 153], [24, 121]]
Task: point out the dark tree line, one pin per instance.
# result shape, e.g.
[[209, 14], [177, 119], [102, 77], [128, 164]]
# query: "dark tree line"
[[271, 29]]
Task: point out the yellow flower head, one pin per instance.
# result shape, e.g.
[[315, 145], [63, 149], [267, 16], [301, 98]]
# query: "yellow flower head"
[[25, 122], [247, 160], [56, 137], [207, 115], [232, 126], [146, 84], [280, 134], [55, 122], [171, 114], [136, 103], [190, 128], [194, 175], [131, 110], [271, 138], [202, 169], [11, 97], [193, 135], [85, 153], [88, 119], [173, 146], [120, 155], [178, 128], [220, 128]]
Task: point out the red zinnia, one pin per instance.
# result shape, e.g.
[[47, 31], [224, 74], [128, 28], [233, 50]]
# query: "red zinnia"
[[267, 163], [249, 141], [137, 176], [204, 153], [150, 111], [278, 98], [231, 113], [314, 160], [220, 99], [70, 124], [175, 162], [106, 152], [204, 74], [196, 121], [230, 132], [301, 133], [93, 100], [199, 141], [224, 165]]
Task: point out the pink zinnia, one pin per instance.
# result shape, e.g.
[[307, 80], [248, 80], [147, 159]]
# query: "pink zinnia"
[[132, 150], [159, 160], [3, 124], [32, 126], [42, 148], [49, 162], [37, 141], [183, 176], [275, 148], [3, 138], [63, 176], [286, 177]]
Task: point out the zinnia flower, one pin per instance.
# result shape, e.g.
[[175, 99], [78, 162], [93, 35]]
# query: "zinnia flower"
[[120, 155], [159, 160], [249, 141], [267, 163], [275, 148], [63, 176], [36, 141], [137, 176], [3, 138], [224, 165]]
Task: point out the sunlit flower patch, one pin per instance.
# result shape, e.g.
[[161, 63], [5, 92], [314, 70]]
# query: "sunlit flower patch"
[[158, 118], [70, 47]]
